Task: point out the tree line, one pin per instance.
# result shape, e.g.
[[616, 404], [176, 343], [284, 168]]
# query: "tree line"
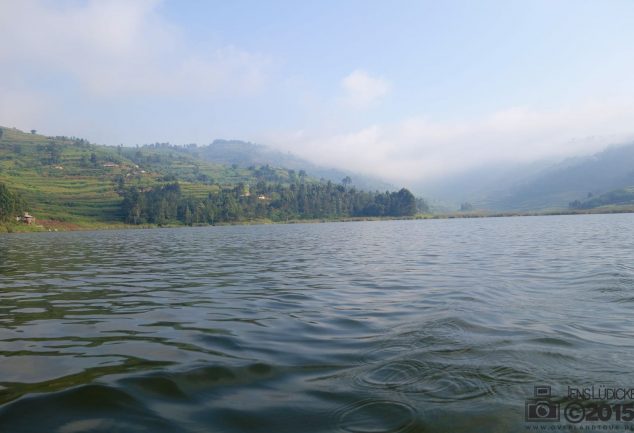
[[11, 204], [277, 202], [617, 197]]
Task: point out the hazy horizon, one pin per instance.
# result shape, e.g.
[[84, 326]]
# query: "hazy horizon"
[[410, 92]]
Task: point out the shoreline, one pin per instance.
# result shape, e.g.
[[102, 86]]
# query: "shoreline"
[[48, 226]]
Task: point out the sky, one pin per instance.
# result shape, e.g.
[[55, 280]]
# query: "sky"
[[406, 90]]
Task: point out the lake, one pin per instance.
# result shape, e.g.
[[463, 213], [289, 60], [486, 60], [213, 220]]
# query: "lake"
[[395, 326]]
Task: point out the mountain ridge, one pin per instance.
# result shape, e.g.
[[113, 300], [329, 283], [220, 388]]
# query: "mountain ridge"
[[245, 154], [538, 185]]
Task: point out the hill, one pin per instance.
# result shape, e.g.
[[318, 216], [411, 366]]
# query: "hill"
[[541, 185], [619, 197], [573, 179], [72, 180], [75, 182], [245, 154], [481, 186]]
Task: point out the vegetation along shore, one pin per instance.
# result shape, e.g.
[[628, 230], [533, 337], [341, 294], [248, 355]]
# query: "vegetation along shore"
[[68, 183]]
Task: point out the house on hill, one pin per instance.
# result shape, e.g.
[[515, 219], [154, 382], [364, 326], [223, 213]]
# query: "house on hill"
[[27, 218]]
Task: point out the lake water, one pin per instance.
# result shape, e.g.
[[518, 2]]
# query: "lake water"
[[403, 326]]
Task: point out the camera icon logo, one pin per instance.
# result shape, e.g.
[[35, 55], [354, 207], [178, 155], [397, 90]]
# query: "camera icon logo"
[[540, 408]]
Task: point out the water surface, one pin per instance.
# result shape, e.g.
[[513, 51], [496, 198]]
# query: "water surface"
[[404, 326]]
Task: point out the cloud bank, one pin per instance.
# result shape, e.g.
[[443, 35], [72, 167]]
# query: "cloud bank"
[[417, 148]]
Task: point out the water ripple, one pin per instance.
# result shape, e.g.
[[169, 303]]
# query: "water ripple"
[[403, 326], [376, 416]]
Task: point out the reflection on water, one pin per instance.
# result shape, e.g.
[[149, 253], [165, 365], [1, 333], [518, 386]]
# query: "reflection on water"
[[404, 326]]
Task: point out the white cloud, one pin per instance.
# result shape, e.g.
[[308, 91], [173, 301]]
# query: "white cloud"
[[418, 148], [362, 90], [120, 48]]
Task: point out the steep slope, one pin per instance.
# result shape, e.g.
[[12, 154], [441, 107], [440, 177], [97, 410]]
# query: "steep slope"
[[72, 180], [573, 179]]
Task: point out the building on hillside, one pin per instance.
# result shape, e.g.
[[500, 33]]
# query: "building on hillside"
[[27, 218]]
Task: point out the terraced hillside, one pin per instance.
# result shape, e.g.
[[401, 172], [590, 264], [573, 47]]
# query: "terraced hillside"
[[71, 180]]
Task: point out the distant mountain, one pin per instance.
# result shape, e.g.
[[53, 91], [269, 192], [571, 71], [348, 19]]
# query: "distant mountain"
[[538, 185], [570, 180], [619, 197], [245, 154], [479, 186]]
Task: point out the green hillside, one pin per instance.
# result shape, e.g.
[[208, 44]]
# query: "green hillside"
[[68, 182], [619, 197], [71, 180]]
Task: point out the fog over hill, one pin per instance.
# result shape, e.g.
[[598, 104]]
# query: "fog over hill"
[[538, 185], [541, 184]]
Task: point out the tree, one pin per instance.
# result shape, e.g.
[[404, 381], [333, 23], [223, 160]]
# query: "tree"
[[33, 131], [10, 203], [159, 205], [54, 153], [405, 203], [188, 216], [279, 203], [93, 159], [119, 182], [346, 181], [203, 178]]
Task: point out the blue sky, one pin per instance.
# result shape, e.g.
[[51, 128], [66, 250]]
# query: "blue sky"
[[408, 90]]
